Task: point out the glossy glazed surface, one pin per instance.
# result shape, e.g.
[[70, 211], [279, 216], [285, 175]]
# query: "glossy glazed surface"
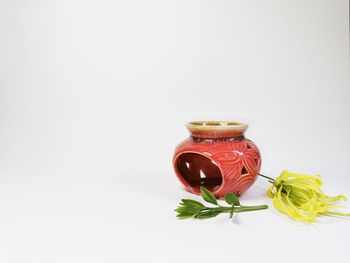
[[221, 164]]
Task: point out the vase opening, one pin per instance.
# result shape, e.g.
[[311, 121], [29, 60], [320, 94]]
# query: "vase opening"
[[216, 129], [196, 170]]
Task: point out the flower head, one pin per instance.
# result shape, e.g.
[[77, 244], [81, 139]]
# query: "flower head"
[[301, 198]]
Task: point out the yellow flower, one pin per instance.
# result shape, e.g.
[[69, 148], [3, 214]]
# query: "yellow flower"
[[300, 197]]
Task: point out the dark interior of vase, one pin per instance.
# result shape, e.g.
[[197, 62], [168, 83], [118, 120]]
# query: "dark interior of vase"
[[198, 170]]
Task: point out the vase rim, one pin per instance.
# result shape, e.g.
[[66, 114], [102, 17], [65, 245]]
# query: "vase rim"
[[216, 129], [216, 125]]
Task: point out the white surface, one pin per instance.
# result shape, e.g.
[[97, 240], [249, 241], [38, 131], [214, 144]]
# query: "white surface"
[[94, 96]]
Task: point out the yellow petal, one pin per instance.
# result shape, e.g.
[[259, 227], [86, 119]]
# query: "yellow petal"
[[300, 197], [269, 192]]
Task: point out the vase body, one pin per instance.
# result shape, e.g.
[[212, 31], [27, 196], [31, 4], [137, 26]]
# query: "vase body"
[[217, 156]]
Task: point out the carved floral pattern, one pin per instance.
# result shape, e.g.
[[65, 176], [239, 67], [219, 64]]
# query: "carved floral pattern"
[[239, 162]]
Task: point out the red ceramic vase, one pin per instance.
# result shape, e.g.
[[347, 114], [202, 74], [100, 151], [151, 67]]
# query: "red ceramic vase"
[[218, 157]]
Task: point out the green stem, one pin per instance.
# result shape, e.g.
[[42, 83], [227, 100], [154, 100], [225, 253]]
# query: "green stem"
[[267, 177], [225, 209], [250, 208], [221, 209]]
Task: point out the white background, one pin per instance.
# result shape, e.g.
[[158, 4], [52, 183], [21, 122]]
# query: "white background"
[[94, 96]]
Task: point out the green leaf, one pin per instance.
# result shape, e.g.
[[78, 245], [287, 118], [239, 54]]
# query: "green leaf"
[[188, 210], [184, 216], [208, 196], [207, 214], [193, 203], [232, 199], [232, 212]]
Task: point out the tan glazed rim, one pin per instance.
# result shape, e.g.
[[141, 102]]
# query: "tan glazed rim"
[[217, 126], [216, 129]]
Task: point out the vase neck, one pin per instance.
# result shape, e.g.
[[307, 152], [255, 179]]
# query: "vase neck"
[[216, 129]]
